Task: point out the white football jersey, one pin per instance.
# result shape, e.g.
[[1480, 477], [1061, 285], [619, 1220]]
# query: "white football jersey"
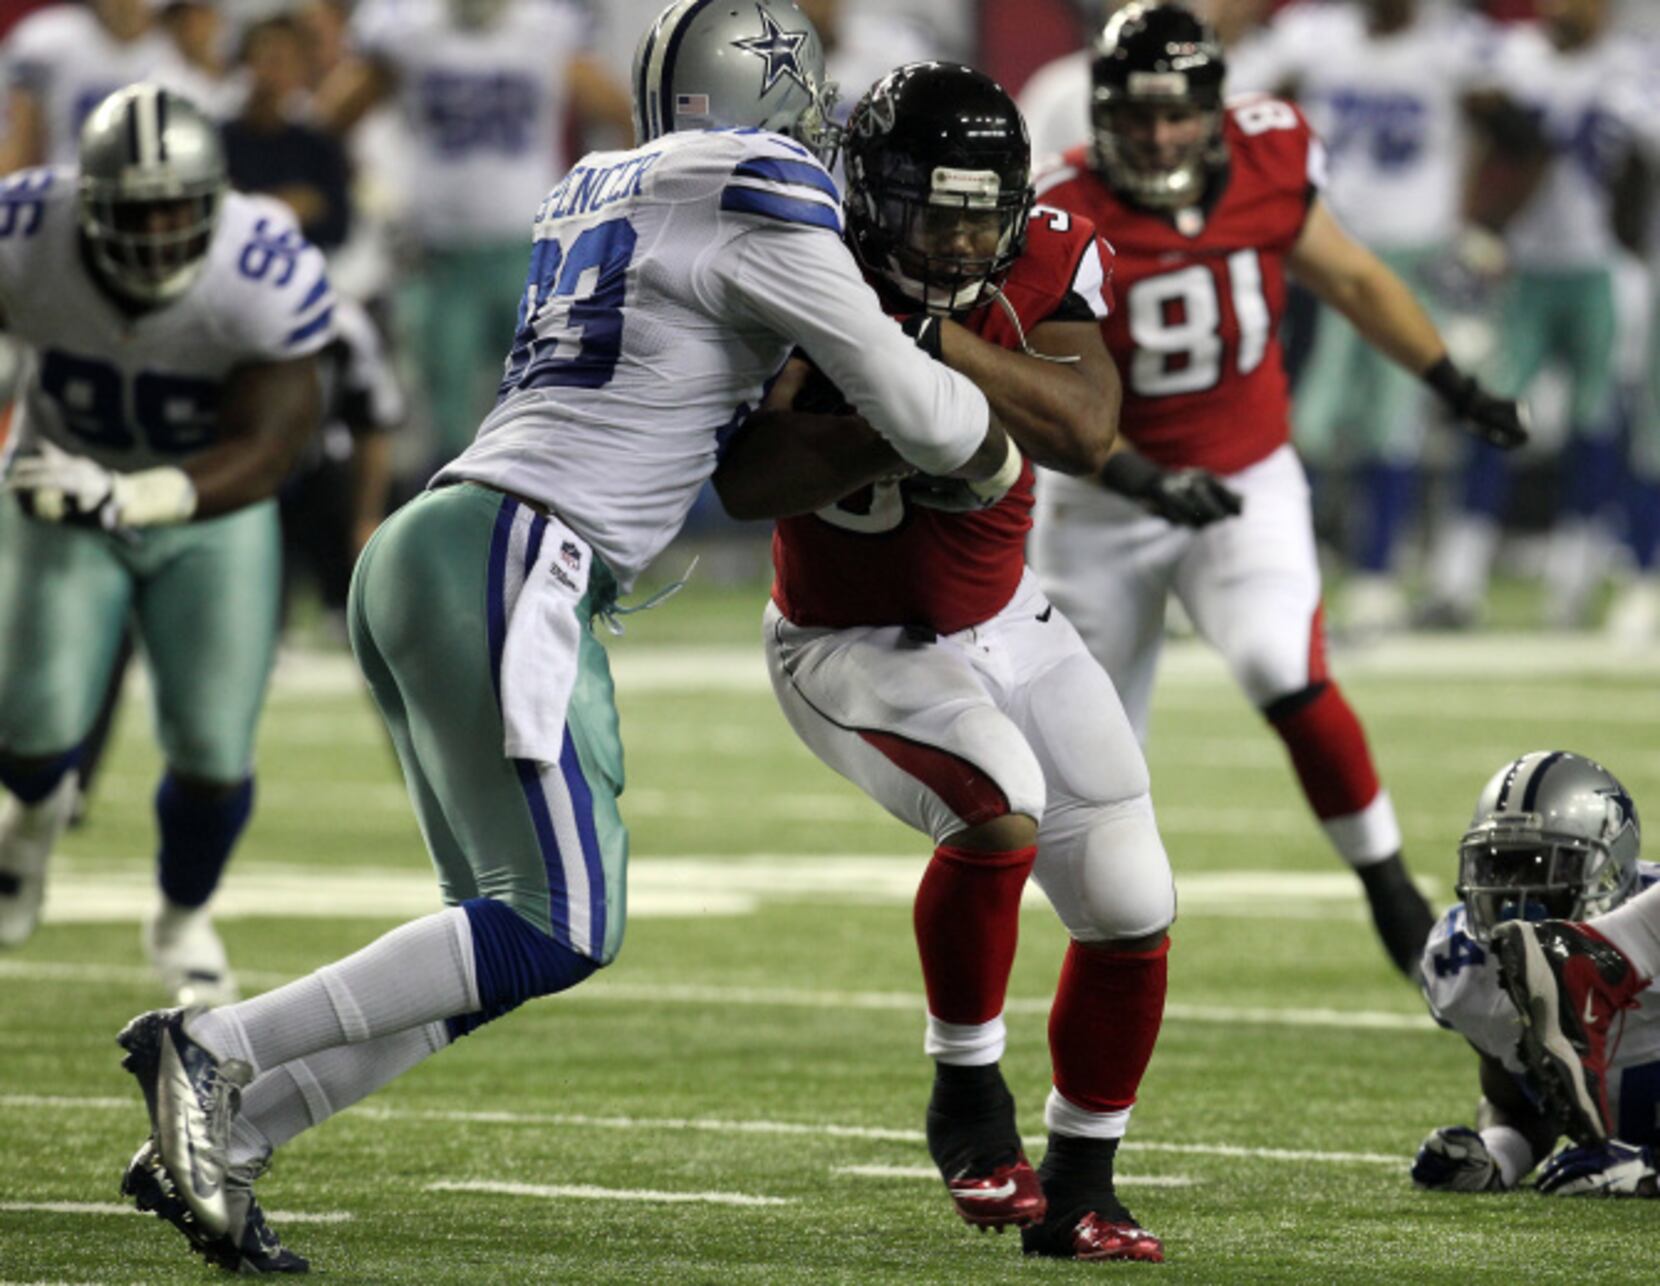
[[1388, 109], [132, 391], [484, 110], [69, 61], [1584, 100], [666, 287], [1460, 978]]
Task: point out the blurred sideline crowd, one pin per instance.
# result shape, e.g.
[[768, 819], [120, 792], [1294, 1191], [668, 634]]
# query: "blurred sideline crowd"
[[1500, 156]]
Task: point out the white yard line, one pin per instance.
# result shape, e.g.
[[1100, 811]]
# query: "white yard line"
[[584, 1192], [605, 990], [929, 1172], [81, 892], [114, 1208], [714, 1125]]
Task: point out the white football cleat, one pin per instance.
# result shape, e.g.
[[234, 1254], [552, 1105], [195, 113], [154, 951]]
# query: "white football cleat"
[[185, 949], [28, 833]]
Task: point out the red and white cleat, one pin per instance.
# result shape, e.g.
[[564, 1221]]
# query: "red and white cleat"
[[1008, 1194], [1568, 983], [1095, 1238]]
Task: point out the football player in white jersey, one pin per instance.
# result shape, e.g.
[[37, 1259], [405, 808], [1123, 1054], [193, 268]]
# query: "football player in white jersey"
[[1384, 84], [172, 327], [63, 61], [666, 287], [1569, 77], [1554, 835], [482, 89]]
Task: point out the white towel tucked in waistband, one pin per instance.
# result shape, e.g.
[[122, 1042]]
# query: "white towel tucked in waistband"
[[540, 653]]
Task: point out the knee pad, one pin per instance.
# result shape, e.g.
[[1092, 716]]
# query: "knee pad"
[[514, 962], [1104, 869]]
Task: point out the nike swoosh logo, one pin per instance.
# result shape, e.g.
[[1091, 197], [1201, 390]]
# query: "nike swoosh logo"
[[1590, 1014], [985, 1194], [1046, 613]]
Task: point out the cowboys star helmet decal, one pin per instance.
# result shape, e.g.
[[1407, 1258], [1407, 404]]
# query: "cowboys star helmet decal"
[[781, 49]]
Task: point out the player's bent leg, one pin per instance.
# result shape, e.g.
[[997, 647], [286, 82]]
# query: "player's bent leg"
[[64, 596], [967, 919], [207, 609], [199, 822], [1334, 766], [1105, 869], [38, 803], [910, 721]]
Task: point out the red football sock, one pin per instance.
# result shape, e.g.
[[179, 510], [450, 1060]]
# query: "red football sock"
[[1104, 1023], [967, 920], [1328, 750]]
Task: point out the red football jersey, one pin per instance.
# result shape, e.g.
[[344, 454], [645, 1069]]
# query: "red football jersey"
[[876, 559], [1197, 336]]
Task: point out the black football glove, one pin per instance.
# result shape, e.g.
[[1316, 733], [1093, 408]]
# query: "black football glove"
[[1500, 421], [1185, 497]]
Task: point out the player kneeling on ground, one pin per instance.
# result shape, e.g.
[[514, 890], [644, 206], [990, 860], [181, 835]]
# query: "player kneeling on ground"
[[1554, 835]]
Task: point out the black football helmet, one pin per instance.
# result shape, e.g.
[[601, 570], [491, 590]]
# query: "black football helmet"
[[1152, 56], [939, 184]]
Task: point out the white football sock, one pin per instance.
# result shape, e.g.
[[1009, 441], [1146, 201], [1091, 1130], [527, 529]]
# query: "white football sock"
[[1634, 927], [307, 1091], [965, 1044], [1461, 559], [419, 973]]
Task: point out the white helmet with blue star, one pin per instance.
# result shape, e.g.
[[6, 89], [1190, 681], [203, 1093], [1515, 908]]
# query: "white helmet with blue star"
[[712, 64]]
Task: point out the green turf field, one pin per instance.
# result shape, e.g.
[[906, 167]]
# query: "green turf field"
[[750, 1069]]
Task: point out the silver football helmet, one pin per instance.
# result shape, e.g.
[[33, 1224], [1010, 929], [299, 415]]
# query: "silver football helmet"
[[744, 63], [152, 179], [1555, 836]]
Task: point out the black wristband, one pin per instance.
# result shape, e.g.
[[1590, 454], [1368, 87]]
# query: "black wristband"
[[925, 330], [1451, 383], [1130, 474]]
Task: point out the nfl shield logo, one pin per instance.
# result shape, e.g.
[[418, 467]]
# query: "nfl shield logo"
[[571, 554]]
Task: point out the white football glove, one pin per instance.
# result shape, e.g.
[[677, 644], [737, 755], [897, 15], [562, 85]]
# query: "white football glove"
[[1455, 1159], [1611, 1169], [56, 486]]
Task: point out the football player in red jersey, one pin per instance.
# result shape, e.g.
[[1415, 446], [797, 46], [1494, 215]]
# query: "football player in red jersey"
[[911, 649], [1209, 205]]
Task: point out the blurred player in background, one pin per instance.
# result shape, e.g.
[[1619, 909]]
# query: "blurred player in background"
[[666, 287], [1555, 837], [173, 329], [338, 493], [1383, 84], [1208, 206], [912, 651], [64, 60], [483, 88], [1055, 101], [1565, 80]]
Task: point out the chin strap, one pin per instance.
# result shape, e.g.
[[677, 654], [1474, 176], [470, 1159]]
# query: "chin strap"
[[1020, 332]]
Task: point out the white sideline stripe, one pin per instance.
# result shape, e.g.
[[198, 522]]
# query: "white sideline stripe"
[[713, 1125], [584, 1192], [929, 1172], [114, 1208], [605, 990]]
